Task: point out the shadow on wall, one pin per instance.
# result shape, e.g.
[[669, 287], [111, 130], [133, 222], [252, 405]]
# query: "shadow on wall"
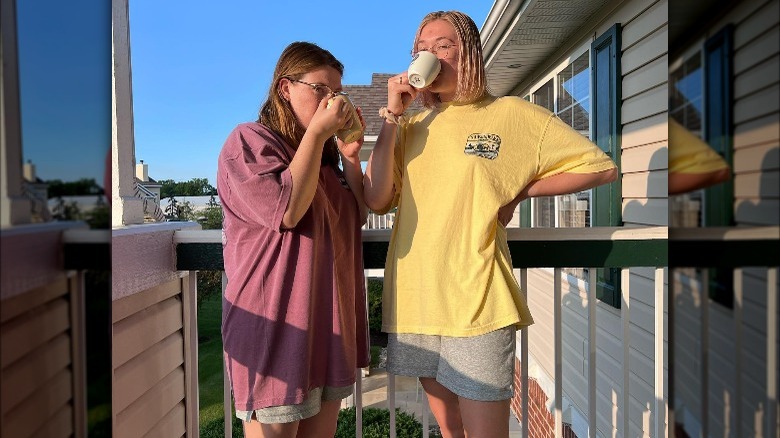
[[762, 211], [755, 205], [654, 210]]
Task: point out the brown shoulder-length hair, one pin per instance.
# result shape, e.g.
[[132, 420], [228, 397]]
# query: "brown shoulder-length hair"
[[472, 80], [296, 60]]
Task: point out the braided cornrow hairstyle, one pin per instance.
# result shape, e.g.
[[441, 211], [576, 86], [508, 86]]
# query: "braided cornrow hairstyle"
[[472, 79]]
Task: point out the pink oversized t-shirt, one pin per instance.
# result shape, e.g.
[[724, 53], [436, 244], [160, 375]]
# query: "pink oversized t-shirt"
[[294, 309]]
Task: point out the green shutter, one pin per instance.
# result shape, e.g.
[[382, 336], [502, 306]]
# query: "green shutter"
[[605, 125], [718, 133], [718, 122]]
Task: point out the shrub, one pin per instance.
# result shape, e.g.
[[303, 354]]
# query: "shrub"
[[376, 424], [209, 285], [375, 304]]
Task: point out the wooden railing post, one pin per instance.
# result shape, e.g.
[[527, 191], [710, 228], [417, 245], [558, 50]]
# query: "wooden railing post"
[[189, 303]]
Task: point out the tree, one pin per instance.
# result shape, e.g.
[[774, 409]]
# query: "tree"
[[193, 187], [66, 211], [84, 186], [172, 210], [168, 188]]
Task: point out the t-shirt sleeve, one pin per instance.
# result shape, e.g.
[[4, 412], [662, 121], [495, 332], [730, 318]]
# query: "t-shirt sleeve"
[[254, 167], [690, 154], [562, 149]]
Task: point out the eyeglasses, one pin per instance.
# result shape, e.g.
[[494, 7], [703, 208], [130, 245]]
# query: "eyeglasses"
[[322, 90], [442, 50]]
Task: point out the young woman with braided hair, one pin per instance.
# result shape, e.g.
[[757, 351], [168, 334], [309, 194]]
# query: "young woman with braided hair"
[[456, 170]]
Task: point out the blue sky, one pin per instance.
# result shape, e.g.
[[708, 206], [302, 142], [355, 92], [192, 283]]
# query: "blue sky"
[[200, 68], [64, 54]]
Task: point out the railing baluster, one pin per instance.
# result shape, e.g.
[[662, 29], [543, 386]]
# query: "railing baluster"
[[391, 402], [771, 350], [592, 286], [524, 359], [704, 299], [359, 373], [739, 274], [359, 404], [625, 316], [425, 416], [557, 335], [660, 395], [226, 398]]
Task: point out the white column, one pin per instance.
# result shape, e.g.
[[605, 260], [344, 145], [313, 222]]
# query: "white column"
[[14, 209], [126, 208]]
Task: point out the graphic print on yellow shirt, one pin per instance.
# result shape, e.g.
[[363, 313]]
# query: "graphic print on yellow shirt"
[[483, 145], [448, 270]]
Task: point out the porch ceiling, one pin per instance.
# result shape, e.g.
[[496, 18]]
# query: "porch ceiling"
[[518, 35]]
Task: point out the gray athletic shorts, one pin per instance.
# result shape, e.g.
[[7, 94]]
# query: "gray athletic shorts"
[[289, 413], [476, 367]]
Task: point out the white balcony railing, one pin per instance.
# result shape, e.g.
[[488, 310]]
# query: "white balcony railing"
[[625, 248]]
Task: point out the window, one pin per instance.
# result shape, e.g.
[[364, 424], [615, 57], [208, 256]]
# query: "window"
[[567, 95], [701, 100], [685, 107], [591, 81]]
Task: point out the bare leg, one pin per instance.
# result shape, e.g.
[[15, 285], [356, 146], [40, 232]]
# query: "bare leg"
[[255, 429], [322, 425], [485, 419], [444, 405]]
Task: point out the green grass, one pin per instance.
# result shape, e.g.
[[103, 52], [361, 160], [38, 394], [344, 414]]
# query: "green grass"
[[210, 360], [210, 373]]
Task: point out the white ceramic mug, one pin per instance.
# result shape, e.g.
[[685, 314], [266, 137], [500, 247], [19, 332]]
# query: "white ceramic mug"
[[423, 70]]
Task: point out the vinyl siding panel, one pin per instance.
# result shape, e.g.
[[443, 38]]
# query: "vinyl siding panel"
[[643, 163]]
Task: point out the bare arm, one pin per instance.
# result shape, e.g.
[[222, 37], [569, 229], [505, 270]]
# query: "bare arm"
[[378, 181], [564, 183], [305, 165], [687, 182], [560, 184]]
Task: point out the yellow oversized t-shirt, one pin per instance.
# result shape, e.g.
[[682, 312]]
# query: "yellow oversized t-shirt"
[[448, 270]]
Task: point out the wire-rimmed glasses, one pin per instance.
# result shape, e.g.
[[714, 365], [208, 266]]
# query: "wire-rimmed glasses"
[[441, 50], [322, 90]]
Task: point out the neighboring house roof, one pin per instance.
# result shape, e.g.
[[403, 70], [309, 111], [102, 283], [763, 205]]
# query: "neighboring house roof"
[[197, 202], [372, 97], [150, 183]]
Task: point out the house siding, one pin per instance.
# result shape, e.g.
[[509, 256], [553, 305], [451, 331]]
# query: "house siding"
[[735, 339], [643, 163]]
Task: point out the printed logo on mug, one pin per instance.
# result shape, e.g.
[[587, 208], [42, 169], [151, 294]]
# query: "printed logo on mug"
[[423, 70]]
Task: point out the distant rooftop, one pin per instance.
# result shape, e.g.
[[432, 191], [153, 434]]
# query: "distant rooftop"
[[372, 97]]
